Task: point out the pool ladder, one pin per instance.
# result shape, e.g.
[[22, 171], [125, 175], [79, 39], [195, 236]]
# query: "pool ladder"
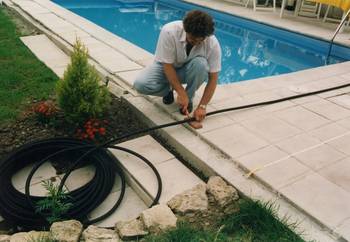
[[335, 34]]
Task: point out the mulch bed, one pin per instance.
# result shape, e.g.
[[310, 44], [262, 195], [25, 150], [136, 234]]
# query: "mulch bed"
[[27, 128], [120, 120]]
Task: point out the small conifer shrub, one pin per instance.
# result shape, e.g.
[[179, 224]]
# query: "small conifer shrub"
[[79, 94]]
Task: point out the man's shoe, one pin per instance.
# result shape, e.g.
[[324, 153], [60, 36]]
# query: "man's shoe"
[[169, 98], [189, 108]]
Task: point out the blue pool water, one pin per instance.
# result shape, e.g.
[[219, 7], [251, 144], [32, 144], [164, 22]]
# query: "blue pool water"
[[250, 50]]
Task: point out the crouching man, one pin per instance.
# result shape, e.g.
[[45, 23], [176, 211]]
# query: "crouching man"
[[187, 53]]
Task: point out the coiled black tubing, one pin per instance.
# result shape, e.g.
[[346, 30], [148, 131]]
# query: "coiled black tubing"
[[19, 208]]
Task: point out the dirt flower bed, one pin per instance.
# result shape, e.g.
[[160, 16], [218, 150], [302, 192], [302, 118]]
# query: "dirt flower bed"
[[118, 120]]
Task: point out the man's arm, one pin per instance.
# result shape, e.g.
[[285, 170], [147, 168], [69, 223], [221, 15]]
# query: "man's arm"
[[182, 98], [209, 90]]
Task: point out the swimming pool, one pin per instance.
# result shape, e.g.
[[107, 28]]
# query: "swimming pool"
[[250, 50]]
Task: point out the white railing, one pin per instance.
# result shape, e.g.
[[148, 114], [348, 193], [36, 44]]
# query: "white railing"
[[335, 34]]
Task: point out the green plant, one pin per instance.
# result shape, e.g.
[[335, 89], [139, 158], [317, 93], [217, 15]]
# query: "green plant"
[[55, 205], [80, 96]]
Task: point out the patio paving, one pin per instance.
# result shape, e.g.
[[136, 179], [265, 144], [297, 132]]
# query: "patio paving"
[[298, 149]]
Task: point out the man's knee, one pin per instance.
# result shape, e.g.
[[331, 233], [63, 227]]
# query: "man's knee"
[[139, 85], [148, 86], [199, 64]]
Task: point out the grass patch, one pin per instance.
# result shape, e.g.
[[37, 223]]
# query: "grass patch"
[[186, 233], [22, 77], [258, 221], [255, 222]]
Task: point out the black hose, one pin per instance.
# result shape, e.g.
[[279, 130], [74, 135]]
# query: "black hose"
[[19, 208]]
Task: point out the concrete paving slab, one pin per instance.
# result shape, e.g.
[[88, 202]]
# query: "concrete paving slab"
[[281, 173], [270, 128], [302, 118], [134, 52], [320, 84], [346, 76], [244, 114], [128, 76], [59, 71], [235, 140], [91, 41], [221, 94], [342, 100], [113, 60], [52, 21], [344, 123], [143, 146], [145, 62], [338, 173], [321, 198], [82, 176], [328, 131], [176, 178], [129, 209], [306, 99], [273, 166], [44, 172], [337, 92], [344, 229], [48, 53], [23, 2], [299, 143], [342, 143], [39, 190], [171, 108], [258, 159], [328, 109], [68, 29], [34, 8], [216, 122], [320, 157], [72, 36]]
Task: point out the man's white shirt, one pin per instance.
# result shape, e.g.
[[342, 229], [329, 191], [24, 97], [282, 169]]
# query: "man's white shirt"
[[171, 48]]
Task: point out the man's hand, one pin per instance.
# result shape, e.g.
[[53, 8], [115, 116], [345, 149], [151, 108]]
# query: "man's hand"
[[200, 114], [182, 100], [196, 125]]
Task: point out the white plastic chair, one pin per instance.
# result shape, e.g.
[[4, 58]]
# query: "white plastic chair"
[[239, 2], [309, 9], [326, 18], [283, 5], [265, 6]]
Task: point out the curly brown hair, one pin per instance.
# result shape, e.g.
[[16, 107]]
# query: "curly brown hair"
[[198, 23]]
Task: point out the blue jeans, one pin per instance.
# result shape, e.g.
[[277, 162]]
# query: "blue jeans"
[[152, 80]]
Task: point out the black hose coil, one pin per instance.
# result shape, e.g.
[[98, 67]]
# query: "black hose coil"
[[19, 208]]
